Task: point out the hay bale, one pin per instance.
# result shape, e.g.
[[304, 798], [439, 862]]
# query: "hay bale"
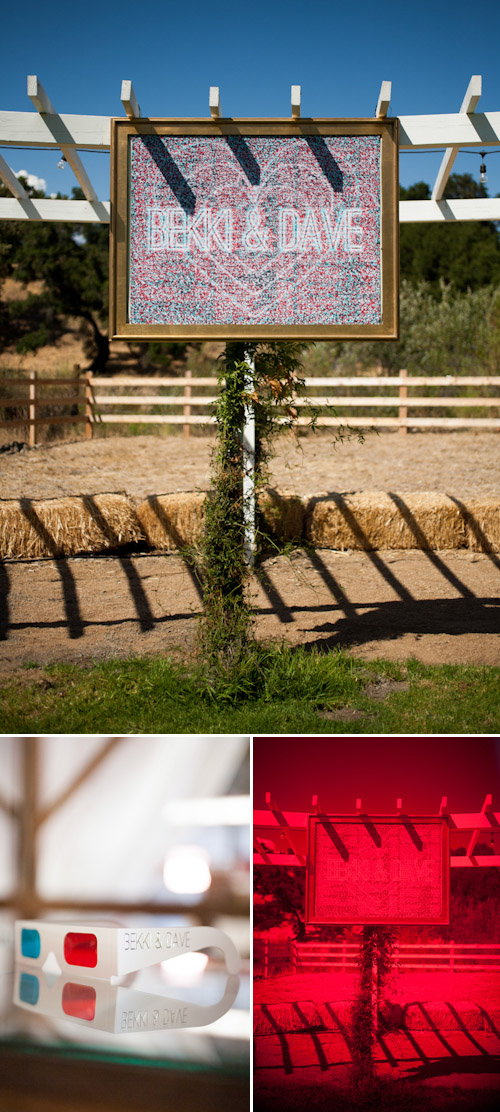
[[437, 1013], [370, 520], [481, 517], [172, 521], [30, 529], [302, 1016], [284, 515], [336, 1015]]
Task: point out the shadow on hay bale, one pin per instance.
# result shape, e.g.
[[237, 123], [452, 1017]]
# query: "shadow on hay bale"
[[173, 521], [368, 520], [66, 526], [428, 521]]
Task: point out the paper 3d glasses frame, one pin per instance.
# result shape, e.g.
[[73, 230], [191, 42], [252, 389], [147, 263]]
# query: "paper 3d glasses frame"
[[104, 951]]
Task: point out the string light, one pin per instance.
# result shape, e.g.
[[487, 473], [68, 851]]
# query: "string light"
[[62, 162], [483, 177]]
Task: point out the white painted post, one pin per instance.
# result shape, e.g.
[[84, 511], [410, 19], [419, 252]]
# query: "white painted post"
[[249, 463]]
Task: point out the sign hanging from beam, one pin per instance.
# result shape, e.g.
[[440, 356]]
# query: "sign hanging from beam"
[[377, 870], [254, 229]]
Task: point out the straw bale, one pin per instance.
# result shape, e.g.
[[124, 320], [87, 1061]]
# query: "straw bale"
[[481, 517], [437, 1013], [30, 528], [374, 519], [302, 1016], [336, 1014], [283, 513], [172, 521]]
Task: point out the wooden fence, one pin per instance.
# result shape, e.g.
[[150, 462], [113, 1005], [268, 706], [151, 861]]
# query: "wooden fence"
[[124, 400], [291, 956]]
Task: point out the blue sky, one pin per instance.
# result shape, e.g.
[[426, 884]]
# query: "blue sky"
[[339, 54]]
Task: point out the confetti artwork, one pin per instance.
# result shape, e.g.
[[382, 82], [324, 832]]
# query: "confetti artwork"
[[255, 231]]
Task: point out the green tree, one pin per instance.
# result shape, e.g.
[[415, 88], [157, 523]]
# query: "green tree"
[[465, 254], [72, 262], [284, 898]]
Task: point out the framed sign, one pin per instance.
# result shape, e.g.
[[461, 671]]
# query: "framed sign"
[[377, 870], [257, 229]]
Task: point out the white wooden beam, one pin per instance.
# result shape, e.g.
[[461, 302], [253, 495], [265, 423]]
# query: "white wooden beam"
[[30, 129], [469, 105], [92, 133], [129, 101], [9, 179], [480, 129], [472, 208], [214, 102], [295, 98], [44, 208], [384, 99], [44, 106], [38, 96]]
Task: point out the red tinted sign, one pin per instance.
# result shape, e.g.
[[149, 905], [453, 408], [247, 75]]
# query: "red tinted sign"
[[377, 870]]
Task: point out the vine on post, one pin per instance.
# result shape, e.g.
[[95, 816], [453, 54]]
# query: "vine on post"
[[377, 945], [225, 626]]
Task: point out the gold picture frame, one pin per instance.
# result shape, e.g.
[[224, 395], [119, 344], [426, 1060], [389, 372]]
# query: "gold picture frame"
[[122, 130]]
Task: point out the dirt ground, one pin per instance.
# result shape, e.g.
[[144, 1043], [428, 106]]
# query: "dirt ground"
[[464, 464], [481, 988], [438, 607], [458, 1064]]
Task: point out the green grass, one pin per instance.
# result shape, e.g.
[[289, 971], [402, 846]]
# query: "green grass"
[[277, 689]]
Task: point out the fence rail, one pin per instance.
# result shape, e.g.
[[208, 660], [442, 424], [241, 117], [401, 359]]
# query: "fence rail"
[[292, 956], [107, 400]]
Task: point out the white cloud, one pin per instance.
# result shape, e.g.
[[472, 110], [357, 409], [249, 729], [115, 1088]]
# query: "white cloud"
[[32, 180]]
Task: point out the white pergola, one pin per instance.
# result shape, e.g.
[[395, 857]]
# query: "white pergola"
[[47, 129]]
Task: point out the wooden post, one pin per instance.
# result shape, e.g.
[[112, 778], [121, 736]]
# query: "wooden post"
[[403, 410], [32, 410], [186, 429], [266, 957], [27, 894], [89, 412], [344, 954], [452, 957]]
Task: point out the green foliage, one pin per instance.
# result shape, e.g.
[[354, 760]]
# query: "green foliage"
[[287, 693], [464, 254], [377, 945], [225, 625], [72, 262], [456, 333], [283, 892]]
